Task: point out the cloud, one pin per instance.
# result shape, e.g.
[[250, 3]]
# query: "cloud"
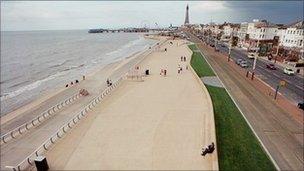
[[37, 15], [209, 6]]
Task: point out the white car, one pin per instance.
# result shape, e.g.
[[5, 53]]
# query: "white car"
[[251, 55], [289, 71], [244, 64]]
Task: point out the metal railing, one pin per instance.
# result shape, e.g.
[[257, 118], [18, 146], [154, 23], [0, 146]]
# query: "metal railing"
[[28, 161], [12, 134]]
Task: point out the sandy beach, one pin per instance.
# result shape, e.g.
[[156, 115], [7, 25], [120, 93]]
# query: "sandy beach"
[[159, 123]]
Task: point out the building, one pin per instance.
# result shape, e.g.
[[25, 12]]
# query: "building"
[[293, 36], [291, 42]]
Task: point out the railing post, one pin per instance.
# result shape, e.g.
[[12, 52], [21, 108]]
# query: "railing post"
[[12, 134]]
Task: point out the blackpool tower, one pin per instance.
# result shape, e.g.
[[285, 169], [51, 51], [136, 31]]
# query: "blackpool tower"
[[187, 16]]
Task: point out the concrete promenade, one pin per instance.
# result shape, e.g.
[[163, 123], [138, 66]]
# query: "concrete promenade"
[[13, 152], [159, 123]]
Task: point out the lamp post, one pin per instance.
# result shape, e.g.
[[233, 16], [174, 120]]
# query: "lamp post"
[[277, 53], [230, 45], [255, 60]]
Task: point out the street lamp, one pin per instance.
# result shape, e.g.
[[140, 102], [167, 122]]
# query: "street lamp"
[[277, 53], [230, 46], [255, 59]]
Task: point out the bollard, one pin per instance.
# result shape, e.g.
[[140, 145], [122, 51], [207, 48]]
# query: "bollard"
[[41, 163]]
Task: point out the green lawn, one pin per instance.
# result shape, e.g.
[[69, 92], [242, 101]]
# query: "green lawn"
[[199, 64], [237, 146]]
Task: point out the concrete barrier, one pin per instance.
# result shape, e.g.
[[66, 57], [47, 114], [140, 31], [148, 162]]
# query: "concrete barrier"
[[12, 134]]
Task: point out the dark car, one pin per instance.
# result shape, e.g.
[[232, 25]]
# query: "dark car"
[[270, 66], [301, 105]]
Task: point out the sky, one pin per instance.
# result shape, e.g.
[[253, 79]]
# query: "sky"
[[66, 15]]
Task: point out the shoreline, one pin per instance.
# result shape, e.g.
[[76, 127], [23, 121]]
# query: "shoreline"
[[47, 95]]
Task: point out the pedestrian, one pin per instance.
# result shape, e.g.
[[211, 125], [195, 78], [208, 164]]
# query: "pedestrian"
[[165, 72], [76, 81], [161, 72], [71, 82], [67, 85], [165, 49], [181, 58], [83, 77], [185, 59], [187, 67], [108, 82]]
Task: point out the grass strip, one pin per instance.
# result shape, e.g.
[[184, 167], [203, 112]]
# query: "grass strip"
[[238, 148]]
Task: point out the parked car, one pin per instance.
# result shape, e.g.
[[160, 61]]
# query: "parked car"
[[244, 64], [270, 66], [251, 55], [238, 61], [288, 71], [301, 105]]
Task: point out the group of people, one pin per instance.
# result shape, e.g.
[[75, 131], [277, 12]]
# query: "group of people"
[[208, 149], [76, 81], [163, 72], [72, 83], [179, 69], [183, 59], [109, 82]]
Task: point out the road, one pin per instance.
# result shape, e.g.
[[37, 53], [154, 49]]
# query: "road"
[[294, 90], [281, 135]]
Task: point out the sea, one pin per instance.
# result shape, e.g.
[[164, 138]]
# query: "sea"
[[35, 62]]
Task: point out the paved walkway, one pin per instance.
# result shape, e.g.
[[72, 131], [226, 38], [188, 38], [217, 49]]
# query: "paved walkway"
[[212, 80], [159, 123], [279, 132]]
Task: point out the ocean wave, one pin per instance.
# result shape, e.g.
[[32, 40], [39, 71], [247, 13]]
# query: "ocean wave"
[[73, 67], [15, 85], [126, 46], [60, 64], [7, 80], [34, 85]]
